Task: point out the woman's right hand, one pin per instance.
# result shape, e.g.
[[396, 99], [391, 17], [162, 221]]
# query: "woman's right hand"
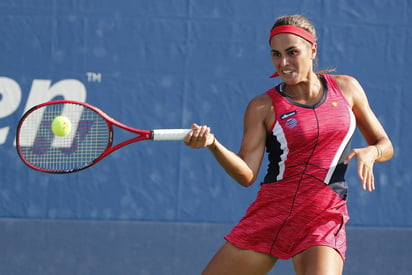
[[199, 137]]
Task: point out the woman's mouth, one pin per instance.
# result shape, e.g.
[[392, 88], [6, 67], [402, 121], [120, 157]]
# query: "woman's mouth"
[[287, 72]]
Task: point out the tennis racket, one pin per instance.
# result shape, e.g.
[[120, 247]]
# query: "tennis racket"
[[88, 142]]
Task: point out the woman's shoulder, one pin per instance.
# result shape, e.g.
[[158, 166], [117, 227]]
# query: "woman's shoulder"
[[262, 98], [260, 104], [345, 81], [260, 111], [350, 87]]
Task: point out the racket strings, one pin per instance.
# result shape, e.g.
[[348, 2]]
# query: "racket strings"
[[88, 139]]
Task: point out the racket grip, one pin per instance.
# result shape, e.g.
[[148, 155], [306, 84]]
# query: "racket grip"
[[169, 134]]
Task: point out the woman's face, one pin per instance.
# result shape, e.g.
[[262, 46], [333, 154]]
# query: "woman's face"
[[292, 57]]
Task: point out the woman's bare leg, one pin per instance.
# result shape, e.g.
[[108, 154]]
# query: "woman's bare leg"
[[233, 260], [318, 260]]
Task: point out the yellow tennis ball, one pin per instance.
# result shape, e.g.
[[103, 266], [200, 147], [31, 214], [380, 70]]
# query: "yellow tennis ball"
[[61, 126]]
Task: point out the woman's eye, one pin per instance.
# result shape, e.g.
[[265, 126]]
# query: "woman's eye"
[[275, 54], [293, 52]]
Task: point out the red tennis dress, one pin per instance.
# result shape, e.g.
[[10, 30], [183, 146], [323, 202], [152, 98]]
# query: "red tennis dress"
[[302, 200]]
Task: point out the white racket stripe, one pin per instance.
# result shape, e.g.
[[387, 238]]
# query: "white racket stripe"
[[170, 134]]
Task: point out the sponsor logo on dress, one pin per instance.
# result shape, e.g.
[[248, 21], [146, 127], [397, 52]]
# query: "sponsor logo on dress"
[[287, 115], [291, 123]]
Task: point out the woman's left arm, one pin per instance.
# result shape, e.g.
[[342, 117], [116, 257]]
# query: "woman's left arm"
[[380, 148]]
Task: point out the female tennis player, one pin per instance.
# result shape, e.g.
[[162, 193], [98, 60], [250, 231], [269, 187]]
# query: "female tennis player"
[[305, 124]]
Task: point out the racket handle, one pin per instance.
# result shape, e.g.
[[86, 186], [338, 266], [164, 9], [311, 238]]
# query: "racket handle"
[[169, 134]]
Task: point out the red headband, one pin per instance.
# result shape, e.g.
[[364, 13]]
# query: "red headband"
[[293, 30]]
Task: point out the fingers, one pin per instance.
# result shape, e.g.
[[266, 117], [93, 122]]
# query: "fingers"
[[199, 137], [365, 167], [366, 176]]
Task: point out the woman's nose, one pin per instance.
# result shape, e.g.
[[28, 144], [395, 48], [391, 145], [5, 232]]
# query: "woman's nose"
[[284, 61]]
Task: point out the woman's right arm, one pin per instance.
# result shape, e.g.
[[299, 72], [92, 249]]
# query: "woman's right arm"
[[244, 166]]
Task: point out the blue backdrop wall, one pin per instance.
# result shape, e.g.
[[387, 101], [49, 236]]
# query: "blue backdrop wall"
[[168, 63]]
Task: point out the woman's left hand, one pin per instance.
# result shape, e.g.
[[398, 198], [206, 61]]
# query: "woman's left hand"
[[366, 158]]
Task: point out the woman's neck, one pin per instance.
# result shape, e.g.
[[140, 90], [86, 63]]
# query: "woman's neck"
[[306, 92]]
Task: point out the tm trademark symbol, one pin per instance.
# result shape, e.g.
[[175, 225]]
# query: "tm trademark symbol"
[[94, 77]]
